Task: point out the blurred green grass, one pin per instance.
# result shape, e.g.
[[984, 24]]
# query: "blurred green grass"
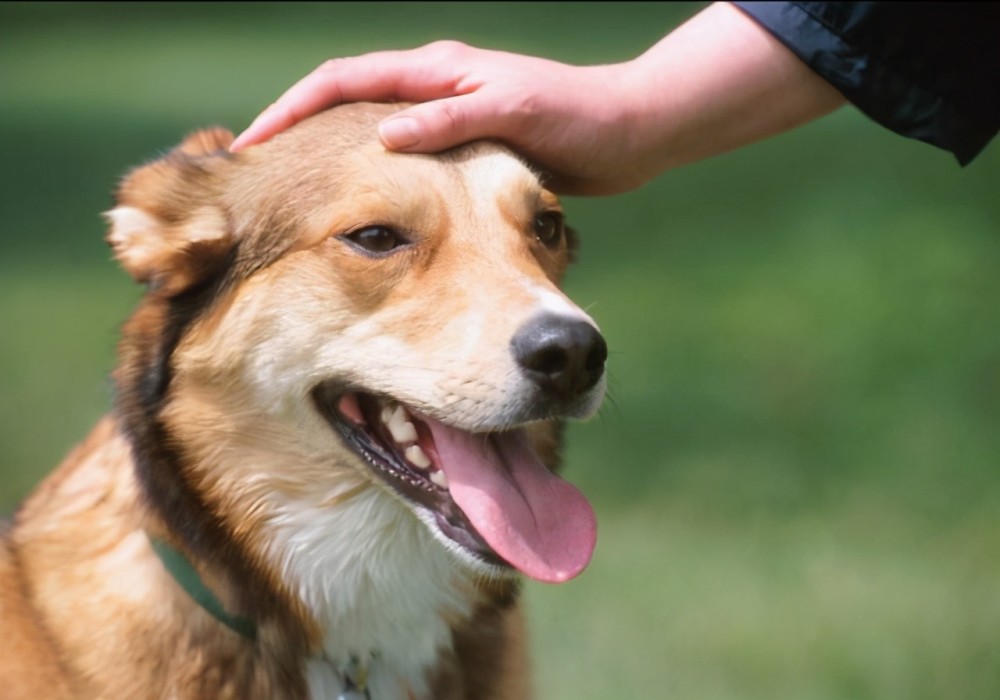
[[796, 474]]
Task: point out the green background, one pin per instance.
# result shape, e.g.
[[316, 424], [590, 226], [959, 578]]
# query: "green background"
[[796, 472]]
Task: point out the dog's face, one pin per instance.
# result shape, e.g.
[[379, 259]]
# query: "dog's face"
[[329, 324]]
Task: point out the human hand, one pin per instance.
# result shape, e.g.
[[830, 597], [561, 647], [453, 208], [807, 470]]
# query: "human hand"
[[570, 121], [718, 82]]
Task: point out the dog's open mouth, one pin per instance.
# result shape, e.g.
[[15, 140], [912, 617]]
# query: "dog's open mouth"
[[487, 492]]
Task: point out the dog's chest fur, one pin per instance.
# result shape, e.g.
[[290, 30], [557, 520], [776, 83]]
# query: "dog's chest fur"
[[385, 603]]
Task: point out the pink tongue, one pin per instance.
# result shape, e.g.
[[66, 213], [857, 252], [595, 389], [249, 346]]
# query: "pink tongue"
[[537, 522]]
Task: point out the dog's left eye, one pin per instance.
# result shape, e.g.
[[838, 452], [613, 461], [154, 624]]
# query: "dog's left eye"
[[376, 239], [549, 228]]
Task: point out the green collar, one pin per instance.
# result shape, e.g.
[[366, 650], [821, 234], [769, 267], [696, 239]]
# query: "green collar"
[[187, 577]]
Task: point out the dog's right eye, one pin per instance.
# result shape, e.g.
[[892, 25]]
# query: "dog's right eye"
[[376, 239], [549, 228]]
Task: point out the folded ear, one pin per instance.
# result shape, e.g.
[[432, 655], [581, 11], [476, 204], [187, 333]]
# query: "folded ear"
[[168, 229]]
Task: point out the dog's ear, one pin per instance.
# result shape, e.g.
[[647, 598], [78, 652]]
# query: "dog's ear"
[[168, 229]]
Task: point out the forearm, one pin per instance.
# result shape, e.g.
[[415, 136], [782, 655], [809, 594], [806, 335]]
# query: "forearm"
[[716, 83]]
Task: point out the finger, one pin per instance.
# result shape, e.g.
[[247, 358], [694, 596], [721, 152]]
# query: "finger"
[[319, 90], [376, 77], [434, 126], [268, 123]]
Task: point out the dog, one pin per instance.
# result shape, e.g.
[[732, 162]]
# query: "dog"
[[338, 408]]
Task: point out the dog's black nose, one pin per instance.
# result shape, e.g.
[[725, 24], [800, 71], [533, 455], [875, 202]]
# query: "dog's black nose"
[[563, 356]]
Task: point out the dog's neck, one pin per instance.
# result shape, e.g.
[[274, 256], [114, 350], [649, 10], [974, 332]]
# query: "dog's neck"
[[380, 597], [187, 577]]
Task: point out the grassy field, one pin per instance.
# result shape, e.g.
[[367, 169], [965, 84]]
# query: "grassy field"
[[797, 474]]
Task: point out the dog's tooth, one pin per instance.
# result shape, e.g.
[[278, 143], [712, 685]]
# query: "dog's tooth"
[[399, 413], [407, 433], [417, 457], [400, 428], [439, 478], [386, 414]]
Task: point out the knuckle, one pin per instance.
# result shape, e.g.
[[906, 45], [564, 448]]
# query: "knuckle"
[[523, 105], [451, 118], [447, 50], [330, 64], [517, 110], [289, 113]]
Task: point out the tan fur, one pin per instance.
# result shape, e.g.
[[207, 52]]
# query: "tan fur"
[[247, 246]]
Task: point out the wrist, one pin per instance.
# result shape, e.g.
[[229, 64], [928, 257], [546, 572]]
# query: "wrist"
[[719, 82]]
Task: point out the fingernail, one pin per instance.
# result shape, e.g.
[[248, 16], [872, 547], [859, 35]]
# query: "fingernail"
[[249, 134], [399, 132], [243, 138], [238, 142]]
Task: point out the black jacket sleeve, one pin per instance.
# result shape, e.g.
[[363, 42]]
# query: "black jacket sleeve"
[[926, 70]]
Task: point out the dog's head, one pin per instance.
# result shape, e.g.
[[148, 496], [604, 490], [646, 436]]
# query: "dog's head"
[[327, 322]]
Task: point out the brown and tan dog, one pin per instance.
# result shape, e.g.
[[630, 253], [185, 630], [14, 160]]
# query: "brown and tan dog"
[[325, 466]]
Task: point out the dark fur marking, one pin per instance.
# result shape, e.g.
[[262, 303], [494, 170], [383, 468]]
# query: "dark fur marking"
[[143, 389]]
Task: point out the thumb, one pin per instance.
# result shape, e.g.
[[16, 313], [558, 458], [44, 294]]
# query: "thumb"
[[440, 124]]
